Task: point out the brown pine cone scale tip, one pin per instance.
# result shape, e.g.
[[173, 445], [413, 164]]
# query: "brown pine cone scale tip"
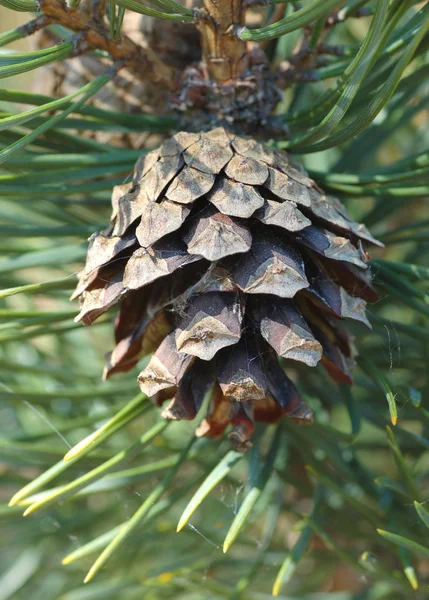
[[225, 256]]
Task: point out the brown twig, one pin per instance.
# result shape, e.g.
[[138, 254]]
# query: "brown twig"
[[34, 25], [98, 11], [341, 15], [93, 34]]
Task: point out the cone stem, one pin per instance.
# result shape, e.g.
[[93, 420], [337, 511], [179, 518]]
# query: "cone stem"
[[224, 55]]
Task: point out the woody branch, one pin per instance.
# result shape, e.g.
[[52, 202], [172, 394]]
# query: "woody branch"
[[94, 34], [224, 55]]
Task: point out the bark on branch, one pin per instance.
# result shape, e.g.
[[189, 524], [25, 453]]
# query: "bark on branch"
[[95, 35], [224, 55]]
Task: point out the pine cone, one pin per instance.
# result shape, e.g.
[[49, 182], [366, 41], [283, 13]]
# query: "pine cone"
[[226, 256]]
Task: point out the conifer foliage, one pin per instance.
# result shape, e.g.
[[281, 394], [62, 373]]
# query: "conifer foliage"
[[263, 165]]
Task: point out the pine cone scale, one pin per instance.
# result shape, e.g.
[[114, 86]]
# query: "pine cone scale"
[[189, 185]]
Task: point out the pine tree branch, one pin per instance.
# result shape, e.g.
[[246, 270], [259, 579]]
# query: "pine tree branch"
[[224, 55], [341, 15], [34, 25], [93, 34]]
